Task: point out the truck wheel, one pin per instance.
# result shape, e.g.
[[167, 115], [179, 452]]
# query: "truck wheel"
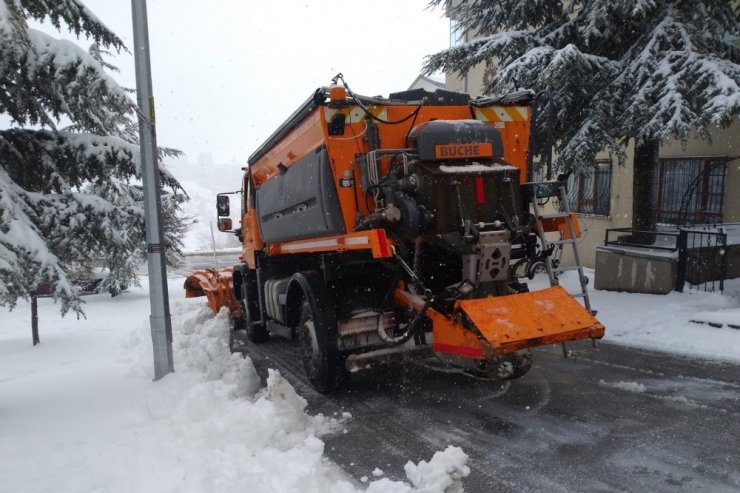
[[538, 267], [256, 333], [323, 364], [507, 367], [521, 363]]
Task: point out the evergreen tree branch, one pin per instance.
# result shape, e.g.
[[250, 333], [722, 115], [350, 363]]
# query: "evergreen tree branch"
[[77, 18]]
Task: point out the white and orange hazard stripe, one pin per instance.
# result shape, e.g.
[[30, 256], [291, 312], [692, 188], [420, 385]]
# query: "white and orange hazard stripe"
[[374, 240], [502, 114]]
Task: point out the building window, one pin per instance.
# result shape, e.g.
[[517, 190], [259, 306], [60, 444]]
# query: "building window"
[[691, 190], [457, 33], [589, 189]]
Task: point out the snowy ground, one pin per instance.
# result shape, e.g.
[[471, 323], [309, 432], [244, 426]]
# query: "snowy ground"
[[675, 322], [80, 413], [202, 183]]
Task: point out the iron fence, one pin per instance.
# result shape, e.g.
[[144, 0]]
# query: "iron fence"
[[702, 260]]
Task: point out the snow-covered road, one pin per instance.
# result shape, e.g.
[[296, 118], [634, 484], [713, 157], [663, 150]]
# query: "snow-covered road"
[[80, 412], [622, 419]]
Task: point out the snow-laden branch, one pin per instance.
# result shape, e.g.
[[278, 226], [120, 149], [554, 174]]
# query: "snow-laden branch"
[[462, 58], [25, 258], [75, 15], [35, 157]]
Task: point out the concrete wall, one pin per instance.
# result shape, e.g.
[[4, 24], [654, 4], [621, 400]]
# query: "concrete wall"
[[634, 272]]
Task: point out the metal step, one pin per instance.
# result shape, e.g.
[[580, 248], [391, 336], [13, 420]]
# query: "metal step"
[[540, 190], [557, 215], [561, 242]]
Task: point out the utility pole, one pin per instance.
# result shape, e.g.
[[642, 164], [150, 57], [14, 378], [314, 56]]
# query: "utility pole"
[[159, 319]]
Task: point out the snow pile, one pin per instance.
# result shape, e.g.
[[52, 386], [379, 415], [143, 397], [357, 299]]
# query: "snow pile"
[[476, 168], [442, 474], [202, 184], [202, 207], [628, 386], [80, 412], [226, 433], [261, 440], [729, 317]]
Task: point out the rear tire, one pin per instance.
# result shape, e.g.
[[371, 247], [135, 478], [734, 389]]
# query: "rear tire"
[[537, 267], [323, 363], [509, 366], [521, 362]]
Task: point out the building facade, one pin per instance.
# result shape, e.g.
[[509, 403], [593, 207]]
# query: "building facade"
[[698, 183]]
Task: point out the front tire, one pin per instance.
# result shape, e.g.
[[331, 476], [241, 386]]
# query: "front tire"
[[256, 332], [247, 290], [323, 364]]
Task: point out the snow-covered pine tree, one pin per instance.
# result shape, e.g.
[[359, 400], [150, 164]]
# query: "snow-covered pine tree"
[[69, 197], [648, 70]]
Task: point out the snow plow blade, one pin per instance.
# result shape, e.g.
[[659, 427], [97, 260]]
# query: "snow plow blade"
[[519, 321], [215, 286]]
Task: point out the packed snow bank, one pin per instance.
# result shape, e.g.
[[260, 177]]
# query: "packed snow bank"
[[202, 184], [729, 317], [80, 412], [225, 433], [628, 386]]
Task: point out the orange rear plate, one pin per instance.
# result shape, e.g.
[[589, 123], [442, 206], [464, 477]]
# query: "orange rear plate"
[[463, 151], [518, 321]]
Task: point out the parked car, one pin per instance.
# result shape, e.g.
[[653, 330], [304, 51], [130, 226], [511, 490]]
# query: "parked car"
[[88, 282]]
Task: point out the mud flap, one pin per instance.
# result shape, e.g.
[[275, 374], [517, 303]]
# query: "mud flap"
[[519, 321]]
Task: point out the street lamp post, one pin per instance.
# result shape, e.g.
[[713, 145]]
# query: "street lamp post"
[[159, 319]]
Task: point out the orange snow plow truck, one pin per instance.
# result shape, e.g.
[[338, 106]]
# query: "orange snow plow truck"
[[377, 229]]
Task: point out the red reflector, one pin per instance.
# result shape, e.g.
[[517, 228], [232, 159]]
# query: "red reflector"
[[479, 190]]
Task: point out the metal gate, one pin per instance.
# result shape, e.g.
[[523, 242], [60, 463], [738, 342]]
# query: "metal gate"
[[702, 259]]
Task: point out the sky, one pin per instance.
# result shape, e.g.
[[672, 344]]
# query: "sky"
[[226, 73]]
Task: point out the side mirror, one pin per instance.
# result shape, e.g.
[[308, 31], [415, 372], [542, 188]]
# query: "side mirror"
[[224, 223], [222, 207]]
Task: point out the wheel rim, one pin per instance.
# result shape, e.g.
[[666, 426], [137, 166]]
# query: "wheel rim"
[[309, 344]]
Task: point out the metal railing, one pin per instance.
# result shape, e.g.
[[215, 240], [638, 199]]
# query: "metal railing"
[[630, 237], [702, 259]]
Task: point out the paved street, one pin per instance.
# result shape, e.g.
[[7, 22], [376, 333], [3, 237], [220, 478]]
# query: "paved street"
[[617, 420]]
